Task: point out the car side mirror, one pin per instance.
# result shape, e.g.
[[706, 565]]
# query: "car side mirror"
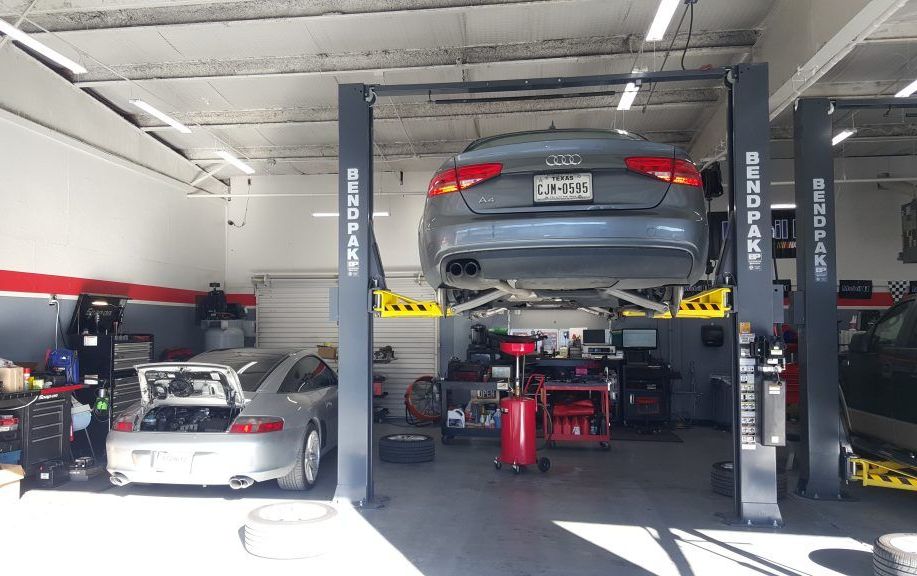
[[859, 343]]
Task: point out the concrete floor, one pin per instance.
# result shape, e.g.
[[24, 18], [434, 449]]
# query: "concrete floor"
[[642, 508]]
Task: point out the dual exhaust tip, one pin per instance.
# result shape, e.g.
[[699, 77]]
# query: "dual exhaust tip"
[[236, 482], [459, 268]]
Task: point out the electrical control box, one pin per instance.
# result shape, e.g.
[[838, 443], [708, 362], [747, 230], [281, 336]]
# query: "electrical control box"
[[772, 412]]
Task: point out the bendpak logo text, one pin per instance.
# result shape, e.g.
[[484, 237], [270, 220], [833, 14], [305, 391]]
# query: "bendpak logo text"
[[753, 213], [353, 226], [819, 222]]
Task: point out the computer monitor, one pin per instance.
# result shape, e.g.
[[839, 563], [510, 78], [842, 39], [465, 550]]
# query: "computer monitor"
[[594, 337], [633, 339]]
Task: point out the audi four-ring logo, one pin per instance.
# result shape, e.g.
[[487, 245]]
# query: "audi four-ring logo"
[[563, 160]]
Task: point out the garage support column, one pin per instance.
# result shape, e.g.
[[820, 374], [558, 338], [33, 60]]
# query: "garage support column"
[[355, 255], [756, 464], [816, 300]]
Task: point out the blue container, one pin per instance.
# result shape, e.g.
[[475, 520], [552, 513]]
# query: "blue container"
[[10, 457]]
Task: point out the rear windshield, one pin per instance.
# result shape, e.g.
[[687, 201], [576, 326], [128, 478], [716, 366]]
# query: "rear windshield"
[[542, 135], [251, 364]]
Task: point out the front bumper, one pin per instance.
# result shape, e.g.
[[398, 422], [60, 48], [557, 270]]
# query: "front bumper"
[[214, 458]]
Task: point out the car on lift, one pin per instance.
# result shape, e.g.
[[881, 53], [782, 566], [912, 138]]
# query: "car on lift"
[[565, 214], [879, 379], [228, 417]]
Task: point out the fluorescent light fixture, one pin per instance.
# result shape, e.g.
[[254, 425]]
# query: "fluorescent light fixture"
[[783, 206], [843, 135], [661, 21], [153, 111], [100, 303], [235, 162], [627, 99], [26, 40], [335, 214], [907, 90]]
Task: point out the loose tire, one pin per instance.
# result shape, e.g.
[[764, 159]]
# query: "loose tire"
[[305, 471], [291, 530], [406, 448], [722, 480], [895, 555]]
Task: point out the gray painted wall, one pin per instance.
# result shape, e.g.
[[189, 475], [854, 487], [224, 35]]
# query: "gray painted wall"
[[679, 344], [27, 326]]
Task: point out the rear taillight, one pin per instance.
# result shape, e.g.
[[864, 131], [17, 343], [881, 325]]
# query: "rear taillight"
[[124, 425], [462, 178], [256, 425], [674, 170]]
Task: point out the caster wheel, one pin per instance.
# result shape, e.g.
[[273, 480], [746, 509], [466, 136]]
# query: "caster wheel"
[[446, 439], [516, 469], [497, 464], [605, 446], [544, 464]]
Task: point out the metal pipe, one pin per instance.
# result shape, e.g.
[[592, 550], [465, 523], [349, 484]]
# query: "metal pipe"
[[293, 195], [636, 299], [479, 301], [855, 180], [264, 277]]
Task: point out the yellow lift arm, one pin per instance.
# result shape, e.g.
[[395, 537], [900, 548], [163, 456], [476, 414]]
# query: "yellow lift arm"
[[708, 304], [712, 303], [390, 305]]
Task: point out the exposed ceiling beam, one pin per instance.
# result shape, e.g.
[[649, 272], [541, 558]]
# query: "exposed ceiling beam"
[[417, 149], [579, 50], [865, 133], [818, 33], [426, 111], [66, 16]]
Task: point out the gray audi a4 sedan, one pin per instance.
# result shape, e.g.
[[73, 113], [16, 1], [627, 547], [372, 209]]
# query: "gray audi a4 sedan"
[[228, 417], [564, 212]]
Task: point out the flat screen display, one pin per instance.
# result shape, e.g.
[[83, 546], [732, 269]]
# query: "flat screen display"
[[639, 339], [594, 337]]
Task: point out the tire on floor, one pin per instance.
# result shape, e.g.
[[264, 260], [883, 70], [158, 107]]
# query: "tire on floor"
[[722, 480], [291, 530], [895, 555], [407, 448]]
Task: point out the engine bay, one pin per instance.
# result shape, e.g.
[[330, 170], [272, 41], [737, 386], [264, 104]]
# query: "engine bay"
[[188, 419]]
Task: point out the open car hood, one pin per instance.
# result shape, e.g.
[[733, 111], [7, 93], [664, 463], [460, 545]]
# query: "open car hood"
[[187, 383]]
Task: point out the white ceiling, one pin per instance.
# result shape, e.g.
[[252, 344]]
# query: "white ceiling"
[[261, 77]]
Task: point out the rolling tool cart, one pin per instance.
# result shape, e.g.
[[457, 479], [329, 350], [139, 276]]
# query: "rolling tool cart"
[[587, 419], [517, 431]]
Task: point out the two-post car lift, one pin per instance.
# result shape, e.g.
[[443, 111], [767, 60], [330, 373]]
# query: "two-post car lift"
[[361, 273]]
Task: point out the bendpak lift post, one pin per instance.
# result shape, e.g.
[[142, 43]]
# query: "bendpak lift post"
[[361, 271], [815, 300]]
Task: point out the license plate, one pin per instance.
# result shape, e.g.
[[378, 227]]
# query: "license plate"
[[173, 461], [563, 187]]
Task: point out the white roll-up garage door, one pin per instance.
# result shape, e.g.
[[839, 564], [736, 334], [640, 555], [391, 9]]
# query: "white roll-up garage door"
[[294, 313]]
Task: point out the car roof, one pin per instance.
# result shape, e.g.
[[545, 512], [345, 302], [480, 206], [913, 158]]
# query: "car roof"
[[237, 358], [555, 131]]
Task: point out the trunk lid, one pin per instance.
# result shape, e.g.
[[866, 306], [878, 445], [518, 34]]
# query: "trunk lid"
[[614, 187], [189, 383]]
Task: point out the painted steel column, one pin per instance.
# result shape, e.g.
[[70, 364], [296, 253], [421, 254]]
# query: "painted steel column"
[[355, 252], [816, 322], [749, 148]]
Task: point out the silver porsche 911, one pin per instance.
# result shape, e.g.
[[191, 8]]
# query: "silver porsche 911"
[[568, 213], [228, 417]]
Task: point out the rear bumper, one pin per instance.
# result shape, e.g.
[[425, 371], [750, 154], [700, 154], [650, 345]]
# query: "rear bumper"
[[215, 458], [633, 249]]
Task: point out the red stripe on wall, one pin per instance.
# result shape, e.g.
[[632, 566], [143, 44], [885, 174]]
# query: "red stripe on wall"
[[12, 281]]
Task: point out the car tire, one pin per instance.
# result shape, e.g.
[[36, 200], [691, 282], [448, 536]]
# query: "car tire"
[[308, 459], [895, 555], [406, 448], [296, 529], [722, 480]]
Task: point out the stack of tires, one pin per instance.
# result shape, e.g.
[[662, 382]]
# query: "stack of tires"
[[722, 480], [406, 448], [895, 555], [291, 530]]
